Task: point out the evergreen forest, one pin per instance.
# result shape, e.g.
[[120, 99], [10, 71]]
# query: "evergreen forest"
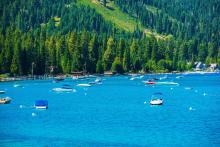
[[65, 36]]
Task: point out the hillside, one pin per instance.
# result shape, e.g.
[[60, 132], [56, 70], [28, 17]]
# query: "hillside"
[[122, 20], [62, 36]]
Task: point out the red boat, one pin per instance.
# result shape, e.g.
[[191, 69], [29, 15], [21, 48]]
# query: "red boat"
[[150, 82]]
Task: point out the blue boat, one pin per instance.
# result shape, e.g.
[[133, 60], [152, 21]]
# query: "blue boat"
[[41, 104]]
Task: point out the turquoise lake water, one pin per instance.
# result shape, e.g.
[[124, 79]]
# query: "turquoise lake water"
[[113, 113]]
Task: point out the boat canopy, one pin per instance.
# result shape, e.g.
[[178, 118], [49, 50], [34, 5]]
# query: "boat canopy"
[[157, 93], [41, 103]]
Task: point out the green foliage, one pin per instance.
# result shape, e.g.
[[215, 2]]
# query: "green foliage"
[[202, 53], [83, 35], [99, 67], [117, 66], [109, 54]]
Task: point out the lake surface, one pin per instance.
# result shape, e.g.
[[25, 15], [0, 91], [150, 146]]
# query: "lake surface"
[[113, 113]]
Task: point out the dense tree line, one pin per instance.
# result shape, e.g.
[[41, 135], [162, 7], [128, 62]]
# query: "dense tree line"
[[32, 36], [89, 52]]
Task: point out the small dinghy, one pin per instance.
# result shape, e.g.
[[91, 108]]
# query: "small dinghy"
[[2, 92], [179, 77], [84, 85], [133, 78], [41, 104], [5, 100], [188, 88], [97, 81], [17, 85], [64, 89], [156, 99]]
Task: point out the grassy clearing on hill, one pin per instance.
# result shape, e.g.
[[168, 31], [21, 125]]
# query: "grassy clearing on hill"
[[112, 13], [120, 19]]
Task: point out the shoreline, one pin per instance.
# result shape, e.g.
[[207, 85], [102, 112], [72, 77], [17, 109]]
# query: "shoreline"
[[46, 77]]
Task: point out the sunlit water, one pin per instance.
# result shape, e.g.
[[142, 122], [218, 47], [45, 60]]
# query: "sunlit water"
[[113, 113]]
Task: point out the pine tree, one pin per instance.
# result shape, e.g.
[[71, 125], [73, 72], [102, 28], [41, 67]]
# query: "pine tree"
[[134, 55], [16, 64], [126, 60], [93, 54], [99, 67], [84, 48], [120, 49], [109, 54], [202, 52]]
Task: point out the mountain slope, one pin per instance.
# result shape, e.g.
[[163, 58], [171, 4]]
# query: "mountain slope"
[[122, 20]]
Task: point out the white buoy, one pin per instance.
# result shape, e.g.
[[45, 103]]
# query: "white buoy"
[[33, 114], [171, 88], [145, 102], [21, 106], [204, 94], [191, 109]]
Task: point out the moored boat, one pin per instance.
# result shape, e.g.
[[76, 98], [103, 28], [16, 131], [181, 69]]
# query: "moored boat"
[[5, 100], [64, 89], [156, 102], [179, 77], [84, 85], [17, 85], [156, 99], [97, 81], [2, 92], [149, 82], [41, 104]]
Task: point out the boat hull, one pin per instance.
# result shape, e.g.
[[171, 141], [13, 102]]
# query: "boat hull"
[[2, 92], [5, 100], [156, 102], [41, 107]]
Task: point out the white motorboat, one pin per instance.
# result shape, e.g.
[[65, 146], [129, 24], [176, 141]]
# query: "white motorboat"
[[84, 85], [156, 102], [64, 89], [156, 99], [17, 85], [179, 77]]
